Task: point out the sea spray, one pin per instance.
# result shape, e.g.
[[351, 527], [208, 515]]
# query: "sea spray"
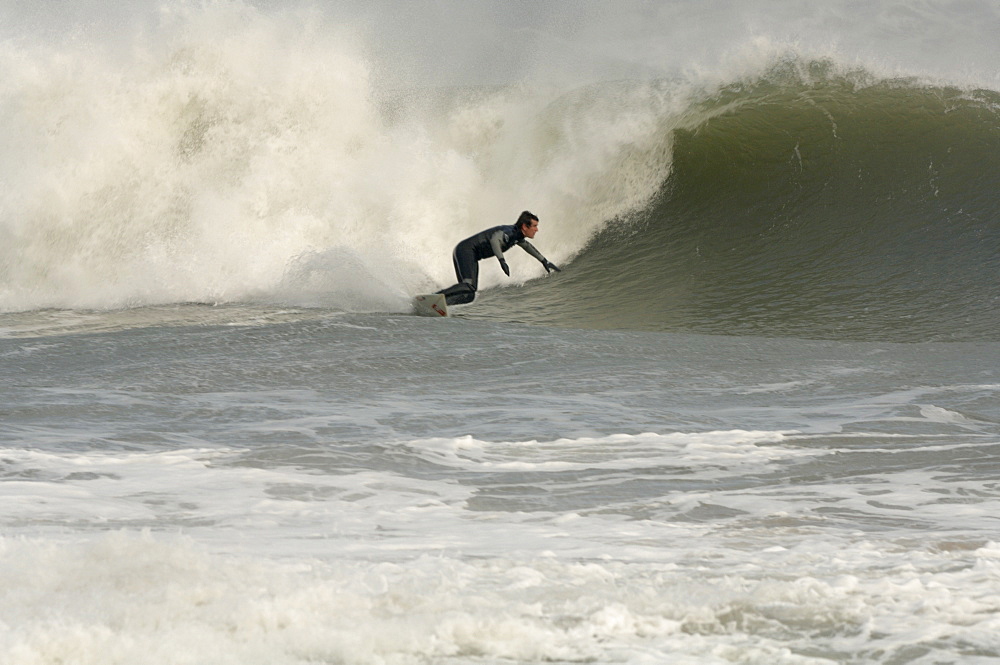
[[200, 167]]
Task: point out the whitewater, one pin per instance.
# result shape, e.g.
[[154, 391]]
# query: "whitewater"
[[755, 419]]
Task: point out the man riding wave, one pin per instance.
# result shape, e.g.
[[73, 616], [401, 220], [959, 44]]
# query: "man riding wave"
[[491, 242]]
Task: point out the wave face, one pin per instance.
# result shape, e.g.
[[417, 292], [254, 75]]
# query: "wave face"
[[807, 203]]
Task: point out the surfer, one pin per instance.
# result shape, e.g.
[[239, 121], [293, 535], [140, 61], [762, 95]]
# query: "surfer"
[[491, 242]]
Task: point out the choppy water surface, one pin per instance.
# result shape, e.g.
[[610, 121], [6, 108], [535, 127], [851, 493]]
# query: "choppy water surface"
[[378, 487]]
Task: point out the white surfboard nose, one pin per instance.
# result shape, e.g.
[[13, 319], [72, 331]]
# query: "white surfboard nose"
[[432, 304]]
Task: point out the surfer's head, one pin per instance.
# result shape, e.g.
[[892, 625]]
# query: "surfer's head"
[[528, 224]]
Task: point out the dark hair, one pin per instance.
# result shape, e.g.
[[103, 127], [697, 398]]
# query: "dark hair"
[[525, 219]]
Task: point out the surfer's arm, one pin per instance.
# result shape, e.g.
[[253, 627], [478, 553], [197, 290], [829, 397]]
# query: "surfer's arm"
[[496, 243], [530, 249]]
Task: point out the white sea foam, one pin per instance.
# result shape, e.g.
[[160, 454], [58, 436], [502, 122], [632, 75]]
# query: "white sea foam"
[[240, 155], [621, 451], [669, 479], [123, 598]]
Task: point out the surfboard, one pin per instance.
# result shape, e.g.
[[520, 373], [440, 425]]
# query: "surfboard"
[[431, 304]]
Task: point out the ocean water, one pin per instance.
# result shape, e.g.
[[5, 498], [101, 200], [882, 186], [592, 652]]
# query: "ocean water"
[[756, 419]]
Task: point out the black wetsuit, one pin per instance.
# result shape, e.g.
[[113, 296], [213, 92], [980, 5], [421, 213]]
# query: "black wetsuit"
[[468, 253]]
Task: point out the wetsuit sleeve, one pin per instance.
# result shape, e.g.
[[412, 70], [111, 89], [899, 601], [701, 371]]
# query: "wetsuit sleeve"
[[530, 249], [496, 242]]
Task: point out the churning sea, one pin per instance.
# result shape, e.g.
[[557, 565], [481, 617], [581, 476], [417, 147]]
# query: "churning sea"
[[756, 419]]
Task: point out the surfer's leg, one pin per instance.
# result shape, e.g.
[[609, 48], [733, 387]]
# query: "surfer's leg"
[[467, 272], [460, 294]]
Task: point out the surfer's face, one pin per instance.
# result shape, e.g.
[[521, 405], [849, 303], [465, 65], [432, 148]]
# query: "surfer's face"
[[530, 229]]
